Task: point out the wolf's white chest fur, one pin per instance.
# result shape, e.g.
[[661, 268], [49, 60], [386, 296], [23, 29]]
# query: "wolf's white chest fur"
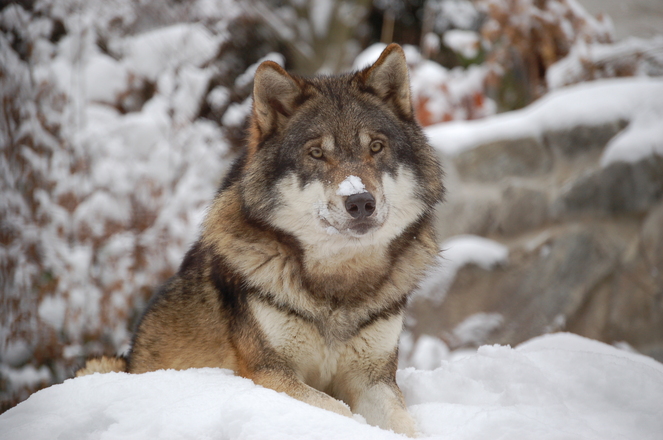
[[317, 359]]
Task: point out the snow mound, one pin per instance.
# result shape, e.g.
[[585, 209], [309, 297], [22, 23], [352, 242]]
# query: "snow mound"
[[557, 386]]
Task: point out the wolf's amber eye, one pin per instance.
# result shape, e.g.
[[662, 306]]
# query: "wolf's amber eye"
[[376, 146], [316, 153]]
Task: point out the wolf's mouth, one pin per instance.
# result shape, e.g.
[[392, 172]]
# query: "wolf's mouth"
[[355, 228], [361, 227]]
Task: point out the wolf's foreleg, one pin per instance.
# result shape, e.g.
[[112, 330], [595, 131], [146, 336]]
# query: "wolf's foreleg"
[[367, 379], [284, 382]]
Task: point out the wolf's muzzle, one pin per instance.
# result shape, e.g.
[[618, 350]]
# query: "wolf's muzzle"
[[361, 205]]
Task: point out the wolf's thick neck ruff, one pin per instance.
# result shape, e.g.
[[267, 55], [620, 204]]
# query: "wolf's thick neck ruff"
[[362, 279], [318, 235]]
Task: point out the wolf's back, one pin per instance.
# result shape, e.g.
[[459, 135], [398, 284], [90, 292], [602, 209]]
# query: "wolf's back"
[[103, 364]]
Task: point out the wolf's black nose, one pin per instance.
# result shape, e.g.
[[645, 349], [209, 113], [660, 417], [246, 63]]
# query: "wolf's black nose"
[[360, 205]]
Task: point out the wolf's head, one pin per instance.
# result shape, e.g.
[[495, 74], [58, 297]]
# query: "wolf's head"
[[337, 159]]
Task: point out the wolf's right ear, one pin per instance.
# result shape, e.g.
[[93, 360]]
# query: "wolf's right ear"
[[275, 94], [389, 79]]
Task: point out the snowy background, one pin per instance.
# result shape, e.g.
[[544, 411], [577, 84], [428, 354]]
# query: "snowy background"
[[119, 118]]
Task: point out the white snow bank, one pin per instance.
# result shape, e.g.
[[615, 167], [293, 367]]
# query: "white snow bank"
[[637, 100], [576, 343], [554, 387], [557, 386], [456, 252]]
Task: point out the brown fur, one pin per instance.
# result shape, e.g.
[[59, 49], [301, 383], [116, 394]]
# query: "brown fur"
[[266, 291], [103, 364]]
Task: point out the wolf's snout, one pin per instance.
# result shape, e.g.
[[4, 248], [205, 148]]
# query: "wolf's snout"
[[360, 205]]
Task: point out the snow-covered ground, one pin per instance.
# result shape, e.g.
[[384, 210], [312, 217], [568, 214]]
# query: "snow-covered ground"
[[558, 386]]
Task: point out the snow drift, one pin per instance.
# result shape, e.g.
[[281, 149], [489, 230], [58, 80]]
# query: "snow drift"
[[558, 386]]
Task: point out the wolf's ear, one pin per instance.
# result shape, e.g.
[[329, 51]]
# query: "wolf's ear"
[[389, 79], [275, 93]]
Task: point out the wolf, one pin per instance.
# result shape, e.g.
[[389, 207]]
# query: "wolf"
[[317, 236]]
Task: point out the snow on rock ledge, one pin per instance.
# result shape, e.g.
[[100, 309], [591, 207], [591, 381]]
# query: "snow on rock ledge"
[[588, 104], [555, 386], [457, 252]]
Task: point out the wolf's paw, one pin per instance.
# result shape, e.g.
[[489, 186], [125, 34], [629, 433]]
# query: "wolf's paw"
[[402, 423], [333, 405]]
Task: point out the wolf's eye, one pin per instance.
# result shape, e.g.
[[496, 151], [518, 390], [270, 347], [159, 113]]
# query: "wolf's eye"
[[316, 153], [376, 146]]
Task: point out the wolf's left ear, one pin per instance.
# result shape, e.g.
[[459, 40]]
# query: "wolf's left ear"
[[389, 79], [275, 94]]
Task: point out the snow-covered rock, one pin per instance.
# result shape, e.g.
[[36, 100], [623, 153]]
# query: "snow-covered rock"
[[566, 184], [455, 253], [588, 104]]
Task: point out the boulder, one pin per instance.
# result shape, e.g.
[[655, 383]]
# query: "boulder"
[[494, 161], [522, 209], [556, 283], [472, 213], [571, 141], [585, 243], [534, 294], [619, 188], [652, 242]]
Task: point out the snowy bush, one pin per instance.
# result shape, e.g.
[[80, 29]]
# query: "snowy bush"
[[106, 171], [525, 37], [590, 61]]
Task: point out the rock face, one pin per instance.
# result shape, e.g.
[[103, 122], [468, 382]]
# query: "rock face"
[[620, 188], [497, 160], [582, 138], [586, 242]]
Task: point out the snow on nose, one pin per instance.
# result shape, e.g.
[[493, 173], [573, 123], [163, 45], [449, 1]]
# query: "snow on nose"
[[350, 186]]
